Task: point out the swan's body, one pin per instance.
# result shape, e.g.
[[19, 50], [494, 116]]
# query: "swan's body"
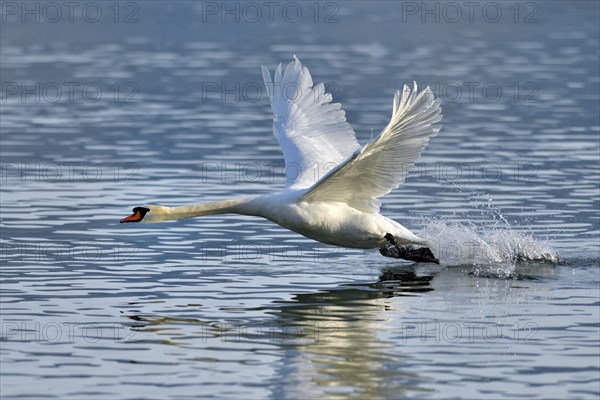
[[341, 207], [333, 223]]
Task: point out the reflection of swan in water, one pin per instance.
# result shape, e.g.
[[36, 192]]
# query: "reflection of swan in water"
[[328, 344], [343, 351]]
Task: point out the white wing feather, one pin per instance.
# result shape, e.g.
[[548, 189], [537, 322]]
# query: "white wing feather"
[[312, 132], [382, 165]]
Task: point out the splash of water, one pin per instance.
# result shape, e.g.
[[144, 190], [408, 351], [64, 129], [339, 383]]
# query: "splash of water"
[[495, 247], [465, 244]]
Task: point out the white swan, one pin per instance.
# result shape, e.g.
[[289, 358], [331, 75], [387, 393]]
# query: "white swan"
[[341, 207]]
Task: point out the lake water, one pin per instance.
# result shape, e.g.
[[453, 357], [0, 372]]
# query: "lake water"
[[131, 103]]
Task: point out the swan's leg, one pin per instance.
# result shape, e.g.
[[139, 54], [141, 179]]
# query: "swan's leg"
[[418, 254]]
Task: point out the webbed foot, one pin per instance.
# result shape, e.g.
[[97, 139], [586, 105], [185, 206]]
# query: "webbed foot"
[[407, 252]]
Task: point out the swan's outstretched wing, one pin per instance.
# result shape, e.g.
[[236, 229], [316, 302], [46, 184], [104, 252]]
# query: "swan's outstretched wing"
[[312, 132], [383, 164]]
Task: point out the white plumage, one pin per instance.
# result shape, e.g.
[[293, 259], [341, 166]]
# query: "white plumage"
[[312, 132], [340, 207]]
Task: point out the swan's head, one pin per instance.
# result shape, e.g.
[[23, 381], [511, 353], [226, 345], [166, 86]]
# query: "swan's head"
[[137, 216]]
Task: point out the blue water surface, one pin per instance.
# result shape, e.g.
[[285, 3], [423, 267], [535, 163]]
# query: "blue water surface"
[[111, 105]]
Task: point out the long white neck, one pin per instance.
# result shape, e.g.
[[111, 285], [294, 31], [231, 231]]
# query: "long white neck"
[[235, 206]]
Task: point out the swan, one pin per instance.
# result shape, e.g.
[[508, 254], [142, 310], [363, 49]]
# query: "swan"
[[341, 207]]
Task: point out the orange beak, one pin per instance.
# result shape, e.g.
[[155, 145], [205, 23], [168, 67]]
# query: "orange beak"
[[135, 217]]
